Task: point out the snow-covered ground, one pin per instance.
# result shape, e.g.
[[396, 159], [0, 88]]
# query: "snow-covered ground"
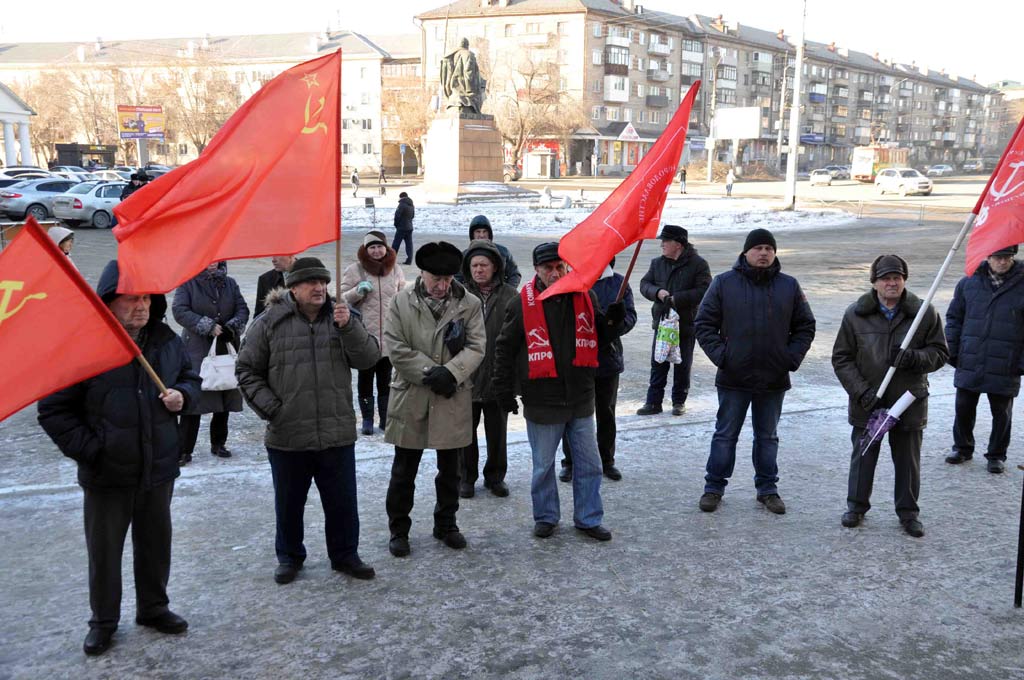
[[700, 215]]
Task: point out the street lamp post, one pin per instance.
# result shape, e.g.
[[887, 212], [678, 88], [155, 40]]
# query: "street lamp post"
[[794, 116], [716, 59]]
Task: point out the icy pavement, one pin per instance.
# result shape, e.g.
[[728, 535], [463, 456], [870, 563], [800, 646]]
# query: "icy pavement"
[[677, 593]]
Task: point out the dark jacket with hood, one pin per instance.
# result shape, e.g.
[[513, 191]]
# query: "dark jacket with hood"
[[267, 282], [686, 278], [296, 374], [864, 349], [549, 400], [201, 303], [114, 424], [609, 356], [985, 332], [512, 276], [404, 214], [756, 326], [493, 308]]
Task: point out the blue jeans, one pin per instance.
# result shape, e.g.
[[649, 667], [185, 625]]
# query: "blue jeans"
[[334, 471], [586, 471], [765, 410], [680, 374]]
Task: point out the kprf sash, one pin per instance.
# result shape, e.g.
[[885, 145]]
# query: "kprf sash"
[[540, 358]]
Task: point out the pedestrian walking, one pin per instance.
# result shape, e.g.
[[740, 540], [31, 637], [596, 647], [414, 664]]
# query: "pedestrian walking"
[[272, 279], [124, 436], [295, 372], [675, 281], [381, 178], [405, 213], [368, 285], [682, 180], [985, 332], [610, 364], [435, 335], [756, 326], [210, 309], [483, 272], [549, 349], [480, 229], [138, 180], [355, 183], [730, 179], [868, 343]]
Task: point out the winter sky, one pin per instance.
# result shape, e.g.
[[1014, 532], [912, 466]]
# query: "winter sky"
[[972, 39]]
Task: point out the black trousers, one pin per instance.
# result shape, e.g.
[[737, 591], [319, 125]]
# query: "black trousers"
[[188, 431], [381, 375], [906, 459], [108, 514], [402, 488], [496, 430], [606, 396], [403, 235], [966, 415]]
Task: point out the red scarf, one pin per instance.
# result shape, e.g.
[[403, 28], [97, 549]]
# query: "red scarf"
[[540, 358]]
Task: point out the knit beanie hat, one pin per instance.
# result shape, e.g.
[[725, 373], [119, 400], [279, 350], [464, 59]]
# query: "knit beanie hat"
[[759, 237], [307, 269]]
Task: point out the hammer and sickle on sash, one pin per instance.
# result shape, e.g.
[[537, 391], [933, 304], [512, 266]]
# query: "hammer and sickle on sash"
[[8, 288]]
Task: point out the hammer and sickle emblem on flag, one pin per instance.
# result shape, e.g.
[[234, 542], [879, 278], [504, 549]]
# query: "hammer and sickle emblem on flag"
[[311, 82], [7, 288]]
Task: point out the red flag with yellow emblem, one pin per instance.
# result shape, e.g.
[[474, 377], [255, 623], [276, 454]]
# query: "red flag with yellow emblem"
[[269, 183], [54, 330]]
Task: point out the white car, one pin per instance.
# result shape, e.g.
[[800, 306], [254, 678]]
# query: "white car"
[[91, 202], [822, 177], [903, 181], [940, 170]]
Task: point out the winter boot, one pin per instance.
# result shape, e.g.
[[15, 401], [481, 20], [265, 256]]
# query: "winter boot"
[[366, 409], [382, 409]]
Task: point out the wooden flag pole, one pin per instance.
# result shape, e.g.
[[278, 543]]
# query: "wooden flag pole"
[[152, 374], [1020, 552], [629, 271]]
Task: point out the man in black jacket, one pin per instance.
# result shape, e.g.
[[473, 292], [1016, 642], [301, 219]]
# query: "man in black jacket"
[[124, 436], [867, 344], [756, 326], [676, 280], [480, 230], [404, 215], [271, 280], [549, 349]]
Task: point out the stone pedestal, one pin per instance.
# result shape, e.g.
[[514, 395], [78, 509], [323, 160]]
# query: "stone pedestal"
[[460, 151]]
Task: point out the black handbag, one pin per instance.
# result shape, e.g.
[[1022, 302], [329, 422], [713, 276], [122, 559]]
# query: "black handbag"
[[455, 336]]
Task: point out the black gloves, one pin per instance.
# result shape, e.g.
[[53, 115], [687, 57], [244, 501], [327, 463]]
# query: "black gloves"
[[902, 358], [508, 403], [868, 400], [952, 361], [441, 381], [616, 313], [228, 333]]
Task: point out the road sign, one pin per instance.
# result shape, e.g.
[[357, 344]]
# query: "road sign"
[[401, 149]]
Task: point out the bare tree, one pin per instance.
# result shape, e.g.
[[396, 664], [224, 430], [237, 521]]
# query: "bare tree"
[[407, 115], [49, 97], [129, 88], [568, 116], [527, 106], [92, 103], [198, 98]]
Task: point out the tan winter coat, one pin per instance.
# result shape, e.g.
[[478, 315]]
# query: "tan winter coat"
[[418, 418], [374, 305]]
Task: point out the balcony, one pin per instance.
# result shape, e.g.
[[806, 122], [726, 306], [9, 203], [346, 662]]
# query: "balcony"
[[761, 88], [657, 48], [615, 69], [658, 75], [819, 117], [841, 93], [695, 57], [883, 106], [616, 41], [838, 116], [613, 93], [657, 101]]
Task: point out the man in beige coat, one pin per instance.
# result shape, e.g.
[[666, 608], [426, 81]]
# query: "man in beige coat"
[[435, 335]]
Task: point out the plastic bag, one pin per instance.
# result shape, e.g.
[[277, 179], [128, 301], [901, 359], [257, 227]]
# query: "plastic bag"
[[666, 342]]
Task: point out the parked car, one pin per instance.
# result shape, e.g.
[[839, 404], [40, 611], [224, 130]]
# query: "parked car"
[[940, 170], [74, 172], [838, 171], [113, 176], [124, 168], [19, 170], [32, 197], [974, 165], [821, 177], [511, 172], [91, 202], [25, 174], [903, 181]]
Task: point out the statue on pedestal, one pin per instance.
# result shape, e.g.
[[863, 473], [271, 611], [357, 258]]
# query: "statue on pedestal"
[[460, 80]]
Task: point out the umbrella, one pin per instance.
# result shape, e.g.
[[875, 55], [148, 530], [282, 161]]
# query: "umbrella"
[[882, 420]]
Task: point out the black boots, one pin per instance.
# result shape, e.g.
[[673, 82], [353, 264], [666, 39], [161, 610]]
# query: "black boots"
[[366, 410]]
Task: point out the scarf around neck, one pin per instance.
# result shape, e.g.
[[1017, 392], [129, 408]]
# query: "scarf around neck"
[[540, 358]]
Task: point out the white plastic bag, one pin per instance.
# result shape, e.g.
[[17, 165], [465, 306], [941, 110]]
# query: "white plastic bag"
[[218, 370], [666, 343]]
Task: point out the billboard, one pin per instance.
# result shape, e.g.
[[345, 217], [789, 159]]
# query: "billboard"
[[737, 123], [140, 122]]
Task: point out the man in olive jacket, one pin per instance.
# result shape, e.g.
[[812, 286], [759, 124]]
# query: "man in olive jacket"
[[434, 332], [294, 370], [483, 270], [868, 342], [124, 436], [676, 280]]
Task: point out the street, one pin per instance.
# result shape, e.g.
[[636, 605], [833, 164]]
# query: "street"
[[676, 594]]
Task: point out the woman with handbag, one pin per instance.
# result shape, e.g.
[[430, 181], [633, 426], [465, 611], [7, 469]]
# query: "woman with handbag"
[[213, 314], [368, 285]]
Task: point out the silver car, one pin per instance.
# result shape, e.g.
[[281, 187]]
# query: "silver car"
[[89, 202], [32, 197]]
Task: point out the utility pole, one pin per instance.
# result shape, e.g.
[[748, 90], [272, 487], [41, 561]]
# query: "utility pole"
[[715, 60], [794, 116], [782, 108]]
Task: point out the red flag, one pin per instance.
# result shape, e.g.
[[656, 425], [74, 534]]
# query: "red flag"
[[54, 330], [1000, 209], [268, 184], [631, 213]]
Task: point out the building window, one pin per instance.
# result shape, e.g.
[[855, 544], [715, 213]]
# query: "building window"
[[726, 72], [639, 90], [618, 55], [613, 113], [563, 28], [668, 93], [655, 117], [619, 84], [346, 148], [597, 57], [595, 113], [643, 38], [691, 69], [362, 71], [367, 124], [627, 115], [532, 27], [641, 115], [596, 26], [693, 46], [724, 96], [563, 84], [364, 98], [597, 85], [182, 149], [367, 148]]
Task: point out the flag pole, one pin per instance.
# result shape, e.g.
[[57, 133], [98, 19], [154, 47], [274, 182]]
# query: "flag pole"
[[629, 271], [337, 184], [1020, 552]]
